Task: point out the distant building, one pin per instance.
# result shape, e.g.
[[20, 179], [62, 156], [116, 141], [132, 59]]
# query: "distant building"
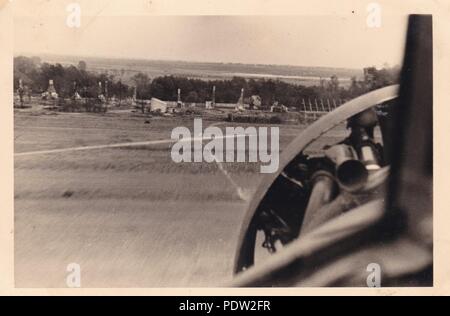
[[156, 105], [51, 91], [255, 102], [230, 106], [279, 108], [369, 75]]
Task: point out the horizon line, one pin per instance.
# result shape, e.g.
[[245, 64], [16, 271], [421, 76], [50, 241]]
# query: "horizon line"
[[39, 54]]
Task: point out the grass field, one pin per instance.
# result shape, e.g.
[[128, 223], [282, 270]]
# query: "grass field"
[[130, 216]]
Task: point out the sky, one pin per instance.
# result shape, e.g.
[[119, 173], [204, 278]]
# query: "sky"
[[331, 41]]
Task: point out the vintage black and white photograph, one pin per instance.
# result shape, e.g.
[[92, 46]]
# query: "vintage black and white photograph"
[[223, 150]]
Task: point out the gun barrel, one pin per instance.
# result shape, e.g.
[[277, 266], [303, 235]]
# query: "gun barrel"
[[351, 173]]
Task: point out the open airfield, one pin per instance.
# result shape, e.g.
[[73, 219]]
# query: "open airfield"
[[129, 216]]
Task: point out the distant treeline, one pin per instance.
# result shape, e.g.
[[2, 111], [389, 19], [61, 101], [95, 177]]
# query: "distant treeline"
[[35, 76]]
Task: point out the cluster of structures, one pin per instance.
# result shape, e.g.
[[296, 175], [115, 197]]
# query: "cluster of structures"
[[100, 103], [74, 103], [156, 105]]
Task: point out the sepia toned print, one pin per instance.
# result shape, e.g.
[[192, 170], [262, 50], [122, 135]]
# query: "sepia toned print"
[[209, 151]]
